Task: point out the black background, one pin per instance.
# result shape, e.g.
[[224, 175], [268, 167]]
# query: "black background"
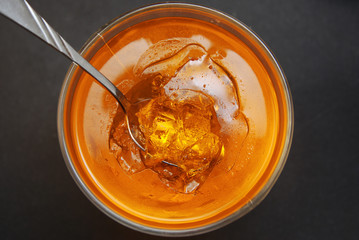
[[316, 196]]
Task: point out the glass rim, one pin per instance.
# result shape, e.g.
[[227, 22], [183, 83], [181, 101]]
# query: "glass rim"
[[252, 203]]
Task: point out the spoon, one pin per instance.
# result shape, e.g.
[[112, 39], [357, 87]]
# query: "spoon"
[[23, 14]]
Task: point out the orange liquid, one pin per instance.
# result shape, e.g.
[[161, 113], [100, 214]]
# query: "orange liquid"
[[142, 197]]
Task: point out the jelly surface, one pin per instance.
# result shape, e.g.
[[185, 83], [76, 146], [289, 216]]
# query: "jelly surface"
[[248, 108]]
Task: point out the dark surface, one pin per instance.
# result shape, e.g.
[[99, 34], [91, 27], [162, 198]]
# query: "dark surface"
[[316, 197]]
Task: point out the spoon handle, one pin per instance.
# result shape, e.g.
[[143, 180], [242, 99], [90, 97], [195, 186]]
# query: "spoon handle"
[[23, 14]]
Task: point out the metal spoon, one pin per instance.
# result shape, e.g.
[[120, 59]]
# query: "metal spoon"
[[23, 14]]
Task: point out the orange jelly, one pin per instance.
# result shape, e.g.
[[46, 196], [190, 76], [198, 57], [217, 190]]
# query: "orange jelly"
[[241, 147], [187, 107]]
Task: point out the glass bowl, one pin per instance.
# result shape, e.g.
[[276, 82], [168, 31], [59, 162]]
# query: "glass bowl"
[[76, 122]]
